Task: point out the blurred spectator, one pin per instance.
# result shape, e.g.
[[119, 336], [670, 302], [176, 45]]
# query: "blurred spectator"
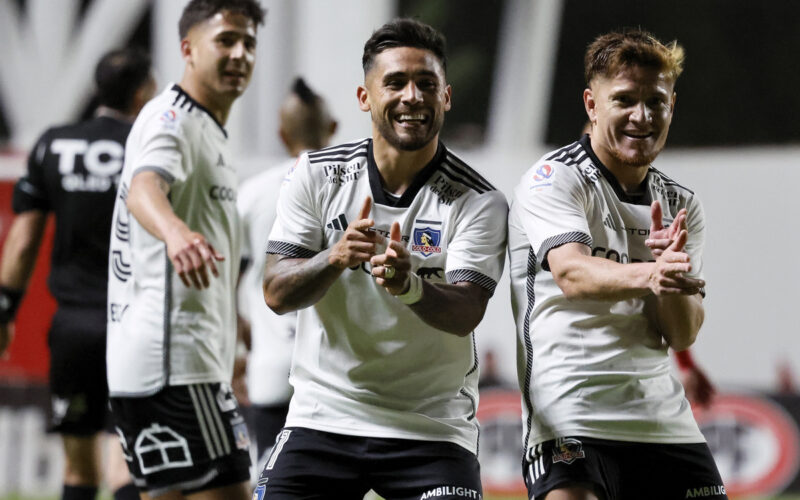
[[305, 124]]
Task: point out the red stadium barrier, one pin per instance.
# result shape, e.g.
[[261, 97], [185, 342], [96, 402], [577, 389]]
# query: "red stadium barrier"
[[755, 439], [29, 356]]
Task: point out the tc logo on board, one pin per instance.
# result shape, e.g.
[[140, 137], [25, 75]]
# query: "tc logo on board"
[[426, 241]]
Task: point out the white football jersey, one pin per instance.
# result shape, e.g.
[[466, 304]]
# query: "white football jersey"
[[588, 367], [161, 332], [272, 335], [364, 364]]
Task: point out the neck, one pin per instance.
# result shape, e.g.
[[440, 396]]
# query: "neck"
[[218, 106], [115, 114], [630, 177], [397, 167]]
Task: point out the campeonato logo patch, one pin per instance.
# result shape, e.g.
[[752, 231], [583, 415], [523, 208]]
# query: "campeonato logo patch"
[[755, 443], [543, 173]]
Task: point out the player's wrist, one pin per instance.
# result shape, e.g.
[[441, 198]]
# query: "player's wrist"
[[413, 293], [10, 299]]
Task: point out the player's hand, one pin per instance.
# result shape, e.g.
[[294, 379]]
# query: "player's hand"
[[192, 257], [699, 389], [391, 268], [6, 336], [667, 277], [358, 243], [660, 237]]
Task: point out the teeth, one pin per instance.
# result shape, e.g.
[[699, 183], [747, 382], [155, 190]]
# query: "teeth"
[[408, 117]]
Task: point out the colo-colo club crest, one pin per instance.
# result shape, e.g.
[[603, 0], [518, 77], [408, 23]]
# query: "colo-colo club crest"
[[426, 241]]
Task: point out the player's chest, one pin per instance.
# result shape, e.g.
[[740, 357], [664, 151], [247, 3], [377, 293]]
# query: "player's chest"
[[212, 175], [426, 227], [619, 228]]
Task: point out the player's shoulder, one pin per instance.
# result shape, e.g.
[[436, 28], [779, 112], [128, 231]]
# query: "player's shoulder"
[[267, 181], [464, 177], [341, 153], [60, 131], [668, 184], [172, 111], [568, 165]]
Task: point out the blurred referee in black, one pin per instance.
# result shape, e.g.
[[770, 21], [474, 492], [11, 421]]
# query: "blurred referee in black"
[[73, 171]]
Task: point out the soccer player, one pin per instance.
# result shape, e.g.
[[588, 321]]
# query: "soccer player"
[[73, 172], [174, 263], [305, 124], [606, 272], [390, 248], [696, 384]]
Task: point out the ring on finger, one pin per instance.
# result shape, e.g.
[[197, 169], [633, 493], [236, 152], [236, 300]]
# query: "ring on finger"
[[388, 272]]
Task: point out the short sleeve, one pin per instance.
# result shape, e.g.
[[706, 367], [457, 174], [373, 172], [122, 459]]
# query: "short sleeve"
[[297, 231], [161, 147], [30, 191], [476, 251], [551, 204]]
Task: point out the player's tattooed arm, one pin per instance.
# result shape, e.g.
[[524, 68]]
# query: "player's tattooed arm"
[[190, 254], [453, 308], [294, 283]]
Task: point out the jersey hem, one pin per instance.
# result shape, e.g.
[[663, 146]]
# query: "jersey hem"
[[395, 434], [149, 391], [612, 436]]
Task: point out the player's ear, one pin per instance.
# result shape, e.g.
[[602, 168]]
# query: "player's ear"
[[589, 104], [672, 104], [186, 50], [448, 94], [363, 98]]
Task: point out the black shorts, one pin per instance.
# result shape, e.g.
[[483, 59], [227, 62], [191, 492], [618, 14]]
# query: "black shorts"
[[311, 464], [267, 422], [620, 470], [186, 438], [78, 388]]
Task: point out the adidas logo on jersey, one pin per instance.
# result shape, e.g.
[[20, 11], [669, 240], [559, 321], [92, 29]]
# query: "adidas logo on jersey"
[[221, 163], [338, 224], [609, 222]]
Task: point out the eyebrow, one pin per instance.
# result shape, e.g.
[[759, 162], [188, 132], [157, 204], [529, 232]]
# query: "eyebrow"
[[396, 74], [236, 33]]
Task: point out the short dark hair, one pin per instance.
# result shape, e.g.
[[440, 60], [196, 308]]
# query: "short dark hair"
[[198, 11], [119, 74], [610, 52], [301, 89], [404, 32]]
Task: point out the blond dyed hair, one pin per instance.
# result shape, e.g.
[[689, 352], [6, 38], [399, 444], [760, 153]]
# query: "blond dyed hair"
[[611, 52]]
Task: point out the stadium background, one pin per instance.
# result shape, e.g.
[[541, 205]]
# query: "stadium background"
[[516, 71]]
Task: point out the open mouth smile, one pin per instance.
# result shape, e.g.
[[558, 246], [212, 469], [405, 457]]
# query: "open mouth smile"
[[411, 119]]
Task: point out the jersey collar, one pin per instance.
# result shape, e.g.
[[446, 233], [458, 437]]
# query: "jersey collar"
[[376, 181], [192, 103], [643, 198]]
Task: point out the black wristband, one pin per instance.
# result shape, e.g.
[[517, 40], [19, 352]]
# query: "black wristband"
[[9, 302]]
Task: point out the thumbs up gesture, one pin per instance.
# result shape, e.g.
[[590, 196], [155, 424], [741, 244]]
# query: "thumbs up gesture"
[[391, 268]]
